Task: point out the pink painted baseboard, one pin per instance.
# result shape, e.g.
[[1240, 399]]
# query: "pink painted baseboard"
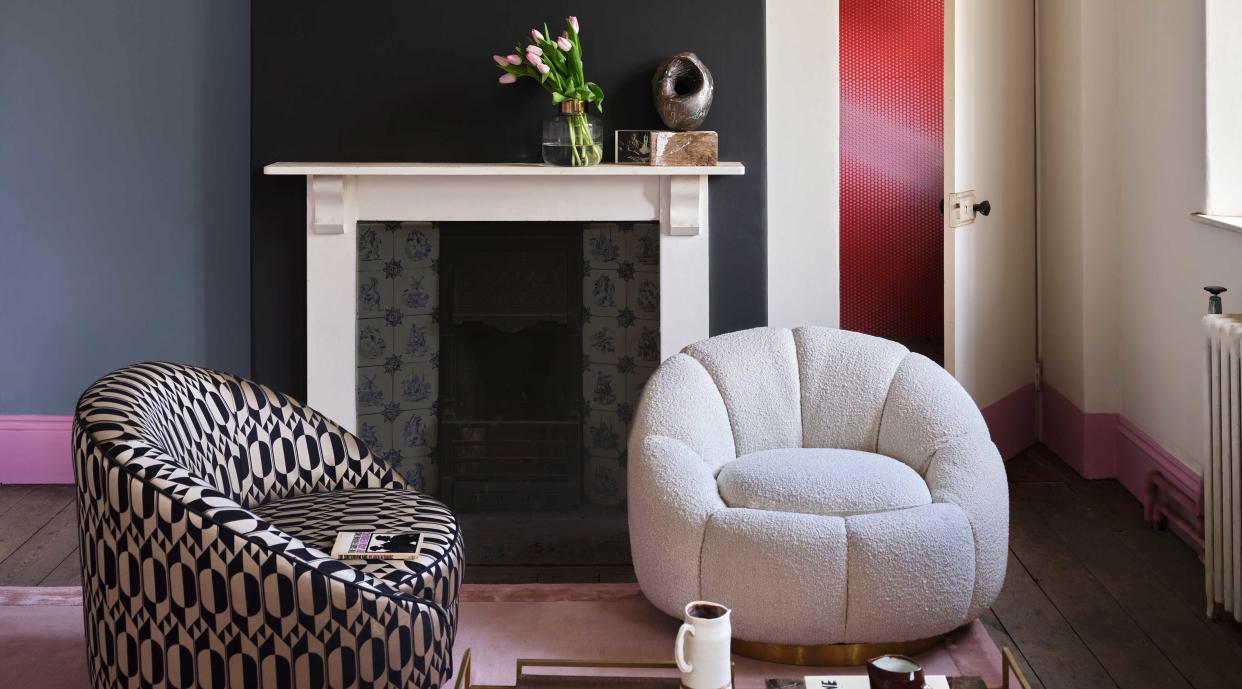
[[36, 449], [1012, 421], [1108, 445], [1086, 441], [1138, 455]]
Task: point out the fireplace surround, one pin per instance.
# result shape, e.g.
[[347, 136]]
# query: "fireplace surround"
[[339, 194], [658, 216]]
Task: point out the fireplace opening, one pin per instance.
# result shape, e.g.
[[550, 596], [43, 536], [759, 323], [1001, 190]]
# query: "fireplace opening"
[[510, 326], [499, 366]]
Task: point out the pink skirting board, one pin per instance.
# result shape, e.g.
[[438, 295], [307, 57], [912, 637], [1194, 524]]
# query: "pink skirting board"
[[500, 622]]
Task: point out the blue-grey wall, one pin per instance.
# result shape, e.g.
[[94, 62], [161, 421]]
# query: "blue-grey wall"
[[124, 191]]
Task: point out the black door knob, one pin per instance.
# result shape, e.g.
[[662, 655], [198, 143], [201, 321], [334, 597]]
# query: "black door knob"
[[983, 207]]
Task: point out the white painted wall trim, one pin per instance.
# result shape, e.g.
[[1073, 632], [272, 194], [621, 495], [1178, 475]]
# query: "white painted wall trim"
[[803, 94]]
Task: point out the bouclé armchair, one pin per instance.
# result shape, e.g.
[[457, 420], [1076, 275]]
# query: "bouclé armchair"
[[830, 487]]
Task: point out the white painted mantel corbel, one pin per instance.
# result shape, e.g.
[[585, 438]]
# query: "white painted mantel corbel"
[[340, 194]]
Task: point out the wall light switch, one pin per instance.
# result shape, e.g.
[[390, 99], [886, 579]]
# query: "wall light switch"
[[961, 208]]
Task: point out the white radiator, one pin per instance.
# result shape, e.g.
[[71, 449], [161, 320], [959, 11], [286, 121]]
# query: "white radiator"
[[1222, 477]]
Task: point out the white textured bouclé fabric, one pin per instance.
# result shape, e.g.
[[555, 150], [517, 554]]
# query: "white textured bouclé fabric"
[[835, 483], [811, 544], [762, 397]]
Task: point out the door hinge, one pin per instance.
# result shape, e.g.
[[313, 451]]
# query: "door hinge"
[[1039, 374]]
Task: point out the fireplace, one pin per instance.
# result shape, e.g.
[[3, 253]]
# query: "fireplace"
[[418, 369]]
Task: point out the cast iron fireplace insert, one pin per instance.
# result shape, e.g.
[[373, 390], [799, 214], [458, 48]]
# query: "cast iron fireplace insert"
[[511, 331]]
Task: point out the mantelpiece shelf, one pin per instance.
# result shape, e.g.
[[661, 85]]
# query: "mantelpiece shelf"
[[496, 169]]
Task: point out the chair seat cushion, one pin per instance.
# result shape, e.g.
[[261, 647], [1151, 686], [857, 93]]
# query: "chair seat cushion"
[[315, 519], [821, 481]]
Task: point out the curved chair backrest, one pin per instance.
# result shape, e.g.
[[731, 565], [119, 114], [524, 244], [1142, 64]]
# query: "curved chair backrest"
[[183, 424], [771, 388]]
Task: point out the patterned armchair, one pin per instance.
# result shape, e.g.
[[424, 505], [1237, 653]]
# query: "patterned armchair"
[[207, 505]]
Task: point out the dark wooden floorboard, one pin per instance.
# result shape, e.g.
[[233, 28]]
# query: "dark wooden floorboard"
[[37, 506], [67, 573], [1056, 654], [1002, 639], [1093, 596], [11, 495], [43, 552], [1128, 654]]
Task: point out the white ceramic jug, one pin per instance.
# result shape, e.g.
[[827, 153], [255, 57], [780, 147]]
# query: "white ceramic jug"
[[704, 658]]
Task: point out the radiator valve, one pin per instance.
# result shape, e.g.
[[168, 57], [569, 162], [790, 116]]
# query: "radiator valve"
[[1214, 305]]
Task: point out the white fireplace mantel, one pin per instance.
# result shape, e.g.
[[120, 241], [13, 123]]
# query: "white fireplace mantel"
[[340, 194]]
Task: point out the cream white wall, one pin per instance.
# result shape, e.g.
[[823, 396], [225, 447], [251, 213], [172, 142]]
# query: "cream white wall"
[[1060, 135], [1123, 164], [1078, 196], [1166, 258], [803, 162]]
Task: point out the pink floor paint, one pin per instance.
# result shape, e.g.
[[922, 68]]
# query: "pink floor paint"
[[41, 644]]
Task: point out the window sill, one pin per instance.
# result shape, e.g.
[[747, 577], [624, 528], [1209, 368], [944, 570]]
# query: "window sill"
[[1233, 223]]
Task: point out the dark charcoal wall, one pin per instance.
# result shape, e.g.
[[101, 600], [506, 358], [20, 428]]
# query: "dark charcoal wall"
[[123, 192], [414, 81]]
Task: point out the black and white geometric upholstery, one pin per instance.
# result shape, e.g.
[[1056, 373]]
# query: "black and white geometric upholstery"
[[206, 505]]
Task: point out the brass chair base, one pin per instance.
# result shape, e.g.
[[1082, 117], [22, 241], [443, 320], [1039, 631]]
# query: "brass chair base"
[[830, 655]]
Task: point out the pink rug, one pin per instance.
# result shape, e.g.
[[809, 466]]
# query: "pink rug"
[[500, 622]]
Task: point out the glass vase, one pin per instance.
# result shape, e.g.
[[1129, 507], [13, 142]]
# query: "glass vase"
[[574, 138]]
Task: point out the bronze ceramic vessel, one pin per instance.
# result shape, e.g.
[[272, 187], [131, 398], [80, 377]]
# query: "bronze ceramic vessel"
[[683, 89]]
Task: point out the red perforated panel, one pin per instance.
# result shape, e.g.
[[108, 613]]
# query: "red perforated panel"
[[892, 162]]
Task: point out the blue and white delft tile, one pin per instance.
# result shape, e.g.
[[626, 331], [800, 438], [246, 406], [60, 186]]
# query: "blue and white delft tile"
[[603, 292], [417, 384], [375, 432], [602, 245], [417, 291], [605, 433], [374, 294], [418, 243], [644, 295], [604, 481], [374, 246], [414, 432], [603, 387], [373, 388], [603, 340], [418, 338], [644, 247], [375, 341], [643, 343]]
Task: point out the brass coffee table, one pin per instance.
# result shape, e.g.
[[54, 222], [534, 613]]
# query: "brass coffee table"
[[645, 680]]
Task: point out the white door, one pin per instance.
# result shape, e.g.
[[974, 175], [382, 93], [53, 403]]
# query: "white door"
[[989, 127]]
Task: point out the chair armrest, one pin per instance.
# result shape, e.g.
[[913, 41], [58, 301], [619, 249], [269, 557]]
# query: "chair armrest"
[[931, 423], [672, 495]]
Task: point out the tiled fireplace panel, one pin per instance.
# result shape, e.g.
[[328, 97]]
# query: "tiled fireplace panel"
[[399, 345], [398, 338]]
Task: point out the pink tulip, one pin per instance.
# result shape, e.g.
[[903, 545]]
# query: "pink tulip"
[[543, 69], [564, 44], [500, 60], [534, 33], [533, 59], [534, 49], [573, 21], [507, 78], [514, 59]]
